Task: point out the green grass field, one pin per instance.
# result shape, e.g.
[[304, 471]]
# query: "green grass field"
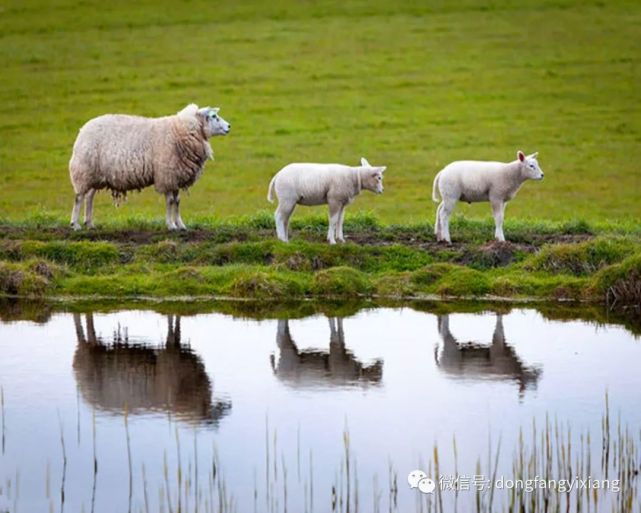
[[413, 85]]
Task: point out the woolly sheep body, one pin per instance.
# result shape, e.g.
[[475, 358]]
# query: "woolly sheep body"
[[317, 184], [122, 153], [475, 181]]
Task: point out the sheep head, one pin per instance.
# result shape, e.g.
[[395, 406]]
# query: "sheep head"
[[530, 166], [371, 176], [211, 123]]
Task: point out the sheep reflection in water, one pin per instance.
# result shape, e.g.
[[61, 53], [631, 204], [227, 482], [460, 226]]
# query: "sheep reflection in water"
[[471, 360], [315, 368], [115, 374]]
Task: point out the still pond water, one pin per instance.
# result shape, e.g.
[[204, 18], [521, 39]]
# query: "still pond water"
[[222, 413]]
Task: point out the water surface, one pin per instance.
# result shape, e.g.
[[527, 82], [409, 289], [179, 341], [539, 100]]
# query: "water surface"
[[260, 411]]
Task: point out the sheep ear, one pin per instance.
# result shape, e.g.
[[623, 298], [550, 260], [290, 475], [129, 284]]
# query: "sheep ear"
[[215, 110], [520, 155], [534, 155], [382, 169], [364, 162], [189, 110]]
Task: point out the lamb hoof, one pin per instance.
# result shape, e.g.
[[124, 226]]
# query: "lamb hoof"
[[341, 240], [89, 226], [76, 227], [182, 227], [172, 227]]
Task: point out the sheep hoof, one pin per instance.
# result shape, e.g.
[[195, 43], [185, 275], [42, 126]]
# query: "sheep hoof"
[[89, 226], [341, 239], [182, 227], [172, 227], [75, 227]]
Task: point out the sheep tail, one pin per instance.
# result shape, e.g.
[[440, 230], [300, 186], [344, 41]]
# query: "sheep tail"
[[270, 192], [435, 191]]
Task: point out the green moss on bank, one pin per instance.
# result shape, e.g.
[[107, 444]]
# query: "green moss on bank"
[[31, 278], [563, 262]]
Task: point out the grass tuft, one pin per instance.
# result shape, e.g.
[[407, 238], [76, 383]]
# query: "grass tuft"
[[30, 278], [581, 259], [341, 281], [620, 283], [464, 282]]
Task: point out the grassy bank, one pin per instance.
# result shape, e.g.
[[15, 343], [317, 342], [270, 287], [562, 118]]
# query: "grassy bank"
[[413, 85], [241, 259]]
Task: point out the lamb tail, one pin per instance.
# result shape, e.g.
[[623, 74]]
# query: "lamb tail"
[[270, 192], [435, 191]]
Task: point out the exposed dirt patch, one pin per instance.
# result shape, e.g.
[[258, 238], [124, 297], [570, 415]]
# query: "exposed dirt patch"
[[429, 244], [501, 252], [493, 254]]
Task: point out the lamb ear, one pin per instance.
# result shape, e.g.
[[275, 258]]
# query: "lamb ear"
[[364, 162], [534, 155], [382, 169], [215, 110], [520, 155]]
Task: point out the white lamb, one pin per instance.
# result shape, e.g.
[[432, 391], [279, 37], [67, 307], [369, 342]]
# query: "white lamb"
[[318, 184], [474, 181], [123, 153]]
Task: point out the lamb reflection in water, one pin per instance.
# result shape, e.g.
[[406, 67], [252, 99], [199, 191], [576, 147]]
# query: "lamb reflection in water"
[[317, 368], [171, 378], [472, 360]]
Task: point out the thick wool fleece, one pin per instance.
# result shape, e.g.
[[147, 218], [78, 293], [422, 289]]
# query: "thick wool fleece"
[[122, 153]]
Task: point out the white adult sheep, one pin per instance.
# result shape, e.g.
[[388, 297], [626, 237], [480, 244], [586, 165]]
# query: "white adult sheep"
[[123, 153], [475, 181], [318, 184]]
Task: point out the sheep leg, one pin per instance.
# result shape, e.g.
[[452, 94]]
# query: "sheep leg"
[[498, 209], [334, 214], [437, 223], [282, 215], [281, 233], [75, 214], [339, 227], [89, 208], [447, 208], [179, 222], [169, 201]]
